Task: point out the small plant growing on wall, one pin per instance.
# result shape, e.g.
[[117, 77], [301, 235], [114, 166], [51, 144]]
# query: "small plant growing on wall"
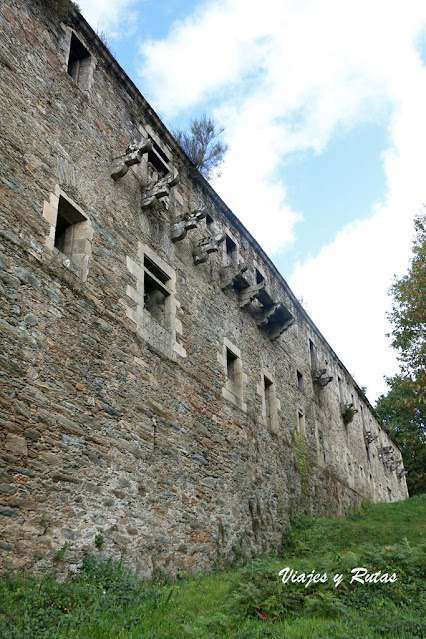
[[99, 540], [348, 413], [59, 556]]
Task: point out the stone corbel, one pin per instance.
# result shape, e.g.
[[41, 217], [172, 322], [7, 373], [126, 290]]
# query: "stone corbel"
[[369, 437], [320, 378], [233, 275], [209, 244], [159, 189], [188, 222], [402, 474], [274, 319], [258, 291], [133, 155], [385, 450]]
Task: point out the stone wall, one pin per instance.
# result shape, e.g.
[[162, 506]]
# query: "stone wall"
[[161, 385]]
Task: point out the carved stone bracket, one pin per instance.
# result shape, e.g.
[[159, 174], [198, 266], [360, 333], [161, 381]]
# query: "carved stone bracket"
[[233, 275], [394, 465], [189, 221], [133, 155], [402, 474], [257, 291], [320, 378], [385, 451], [209, 244], [159, 189], [369, 437], [274, 319]]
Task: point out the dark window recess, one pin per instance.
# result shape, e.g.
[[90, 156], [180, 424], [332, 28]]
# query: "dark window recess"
[[368, 453], [68, 218], [259, 277], [313, 353], [300, 383], [267, 389], [158, 160], [155, 291], [79, 63], [209, 222], [231, 249], [230, 364]]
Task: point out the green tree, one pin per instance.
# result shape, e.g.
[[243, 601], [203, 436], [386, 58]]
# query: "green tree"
[[403, 408], [200, 143]]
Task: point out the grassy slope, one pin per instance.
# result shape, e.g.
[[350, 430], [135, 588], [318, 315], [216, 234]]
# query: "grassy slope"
[[104, 601]]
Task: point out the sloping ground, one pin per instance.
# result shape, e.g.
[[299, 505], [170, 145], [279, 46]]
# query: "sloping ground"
[[384, 541]]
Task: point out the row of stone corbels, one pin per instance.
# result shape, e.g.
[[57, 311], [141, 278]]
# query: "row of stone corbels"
[[386, 454], [133, 155], [273, 316]]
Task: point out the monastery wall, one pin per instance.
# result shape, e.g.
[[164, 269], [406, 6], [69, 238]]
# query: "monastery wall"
[[161, 385]]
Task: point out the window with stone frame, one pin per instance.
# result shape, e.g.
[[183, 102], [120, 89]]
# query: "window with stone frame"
[[233, 389], [80, 64], [156, 292], [71, 232], [301, 423], [300, 382], [154, 306], [270, 404], [230, 251]]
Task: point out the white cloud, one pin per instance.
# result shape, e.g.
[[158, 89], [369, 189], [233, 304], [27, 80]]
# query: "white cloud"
[[111, 17], [283, 77]]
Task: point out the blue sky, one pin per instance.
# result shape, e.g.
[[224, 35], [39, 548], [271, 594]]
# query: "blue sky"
[[323, 105]]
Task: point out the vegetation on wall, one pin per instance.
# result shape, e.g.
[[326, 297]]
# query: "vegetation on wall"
[[403, 408], [201, 144], [105, 601]]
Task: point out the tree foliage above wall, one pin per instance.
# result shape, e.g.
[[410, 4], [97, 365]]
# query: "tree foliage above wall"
[[403, 408], [200, 143]]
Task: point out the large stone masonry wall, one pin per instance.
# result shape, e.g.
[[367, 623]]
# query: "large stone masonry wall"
[[148, 393]]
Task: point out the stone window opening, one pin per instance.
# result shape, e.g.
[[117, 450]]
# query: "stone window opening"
[[158, 160], [313, 354], [71, 232], [271, 408], [300, 382], [156, 293], [301, 423], [368, 453], [233, 389], [79, 63], [209, 223], [231, 250], [341, 396], [231, 360], [259, 277]]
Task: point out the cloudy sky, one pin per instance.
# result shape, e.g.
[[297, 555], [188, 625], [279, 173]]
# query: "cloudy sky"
[[324, 108]]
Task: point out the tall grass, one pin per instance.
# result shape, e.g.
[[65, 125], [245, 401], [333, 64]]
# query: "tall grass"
[[104, 600]]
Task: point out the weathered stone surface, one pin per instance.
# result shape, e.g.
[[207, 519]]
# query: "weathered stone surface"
[[176, 429]]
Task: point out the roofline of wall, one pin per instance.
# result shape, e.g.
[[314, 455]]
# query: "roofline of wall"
[[112, 65]]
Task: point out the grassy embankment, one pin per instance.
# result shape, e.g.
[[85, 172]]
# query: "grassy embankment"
[[104, 601]]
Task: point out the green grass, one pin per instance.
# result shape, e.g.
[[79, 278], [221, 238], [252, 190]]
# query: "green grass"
[[105, 601]]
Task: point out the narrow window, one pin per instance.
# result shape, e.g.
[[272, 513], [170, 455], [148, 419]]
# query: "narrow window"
[[339, 381], [313, 354], [158, 160], [156, 292], [79, 63], [300, 383], [267, 389], [209, 223], [301, 423], [73, 233], [259, 277], [231, 250], [231, 360], [368, 453]]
